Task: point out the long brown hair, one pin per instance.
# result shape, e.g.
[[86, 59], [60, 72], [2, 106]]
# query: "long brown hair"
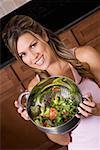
[[20, 24]]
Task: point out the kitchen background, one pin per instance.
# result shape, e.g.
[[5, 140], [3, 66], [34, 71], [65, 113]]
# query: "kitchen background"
[[76, 23]]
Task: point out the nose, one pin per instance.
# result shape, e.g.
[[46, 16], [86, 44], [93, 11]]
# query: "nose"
[[33, 58], [32, 55]]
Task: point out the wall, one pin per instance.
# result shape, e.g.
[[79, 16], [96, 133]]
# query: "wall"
[[7, 6]]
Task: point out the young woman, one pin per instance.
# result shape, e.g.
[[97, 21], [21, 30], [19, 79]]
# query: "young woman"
[[42, 50]]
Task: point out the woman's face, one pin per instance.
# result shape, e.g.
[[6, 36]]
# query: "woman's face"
[[34, 52]]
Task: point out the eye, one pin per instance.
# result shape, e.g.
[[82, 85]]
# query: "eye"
[[34, 44], [22, 55]]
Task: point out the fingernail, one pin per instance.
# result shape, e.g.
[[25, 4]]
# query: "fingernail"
[[84, 101], [15, 102], [20, 109]]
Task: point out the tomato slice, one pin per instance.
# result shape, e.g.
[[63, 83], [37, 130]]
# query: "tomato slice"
[[56, 89], [45, 124], [53, 113]]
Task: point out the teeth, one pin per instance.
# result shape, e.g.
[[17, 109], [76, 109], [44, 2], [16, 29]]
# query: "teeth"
[[40, 61]]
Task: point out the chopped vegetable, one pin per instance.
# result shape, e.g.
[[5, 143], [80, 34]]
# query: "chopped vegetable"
[[53, 113], [54, 103]]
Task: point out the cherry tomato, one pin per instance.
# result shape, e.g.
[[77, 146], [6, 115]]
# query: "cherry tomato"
[[56, 89], [45, 124], [53, 113]]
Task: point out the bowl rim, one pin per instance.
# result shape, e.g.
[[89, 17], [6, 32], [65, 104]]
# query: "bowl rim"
[[63, 124]]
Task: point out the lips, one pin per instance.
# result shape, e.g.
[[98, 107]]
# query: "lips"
[[40, 61]]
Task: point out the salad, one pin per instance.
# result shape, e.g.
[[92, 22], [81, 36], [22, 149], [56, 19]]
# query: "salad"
[[54, 101]]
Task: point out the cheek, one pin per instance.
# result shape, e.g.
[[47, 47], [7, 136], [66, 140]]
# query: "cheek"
[[43, 47], [26, 60], [29, 62], [49, 53]]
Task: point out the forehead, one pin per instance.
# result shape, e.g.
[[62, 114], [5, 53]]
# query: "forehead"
[[25, 40], [26, 36]]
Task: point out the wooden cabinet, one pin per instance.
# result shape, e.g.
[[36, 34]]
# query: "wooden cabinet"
[[23, 72], [88, 29], [95, 43], [9, 84], [15, 132], [10, 88], [85, 32], [68, 38]]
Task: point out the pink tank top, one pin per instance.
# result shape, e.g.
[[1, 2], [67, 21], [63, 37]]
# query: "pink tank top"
[[87, 135]]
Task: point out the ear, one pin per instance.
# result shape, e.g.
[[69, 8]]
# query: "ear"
[[45, 36]]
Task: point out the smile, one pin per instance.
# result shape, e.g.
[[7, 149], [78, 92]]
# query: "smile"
[[40, 61]]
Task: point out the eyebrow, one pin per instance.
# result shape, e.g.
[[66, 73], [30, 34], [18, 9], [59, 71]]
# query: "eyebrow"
[[33, 42]]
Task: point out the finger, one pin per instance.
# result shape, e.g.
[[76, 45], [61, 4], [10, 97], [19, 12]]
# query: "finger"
[[20, 109], [88, 97], [16, 104], [88, 103], [25, 115], [86, 108], [38, 78], [84, 113], [78, 116]]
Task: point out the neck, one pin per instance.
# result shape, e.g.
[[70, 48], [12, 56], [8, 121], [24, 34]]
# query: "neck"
[[58, 68]]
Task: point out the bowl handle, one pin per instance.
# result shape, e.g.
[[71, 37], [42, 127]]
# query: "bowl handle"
[[26, 94]]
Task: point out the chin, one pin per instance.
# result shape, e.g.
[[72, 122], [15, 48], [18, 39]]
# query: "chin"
[[44, 67]]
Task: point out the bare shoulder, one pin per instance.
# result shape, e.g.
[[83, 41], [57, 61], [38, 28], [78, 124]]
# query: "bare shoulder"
[[87, 54], [33, 82], [91, 56]]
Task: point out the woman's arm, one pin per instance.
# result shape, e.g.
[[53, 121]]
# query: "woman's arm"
[[61, 139], [91, 56]]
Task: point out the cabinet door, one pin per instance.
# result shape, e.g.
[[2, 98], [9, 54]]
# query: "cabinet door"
[[95, 43], [68, 38], [9, 84], [24, 73], [15, 132], [87, 29]]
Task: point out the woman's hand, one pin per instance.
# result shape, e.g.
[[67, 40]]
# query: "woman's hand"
[[88, 107], [21, 110]]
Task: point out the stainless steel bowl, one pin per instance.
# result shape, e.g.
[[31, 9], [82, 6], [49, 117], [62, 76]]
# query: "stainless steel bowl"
[[70, 88]]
